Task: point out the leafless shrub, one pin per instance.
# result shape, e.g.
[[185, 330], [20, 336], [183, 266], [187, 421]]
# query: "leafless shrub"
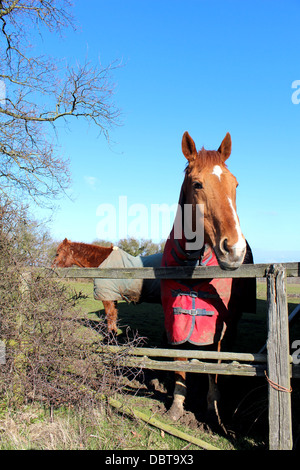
[[53, 355]]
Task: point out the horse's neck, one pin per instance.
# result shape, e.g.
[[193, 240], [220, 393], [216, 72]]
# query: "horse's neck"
[[101, 254], [92, 257]]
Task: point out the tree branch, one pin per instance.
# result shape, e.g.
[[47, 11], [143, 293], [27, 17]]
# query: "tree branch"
[[39, 94]]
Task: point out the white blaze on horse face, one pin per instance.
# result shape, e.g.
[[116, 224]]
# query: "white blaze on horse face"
[[217, 170], [240, 245]]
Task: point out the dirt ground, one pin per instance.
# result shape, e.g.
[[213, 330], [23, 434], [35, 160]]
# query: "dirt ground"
[[243, 407]]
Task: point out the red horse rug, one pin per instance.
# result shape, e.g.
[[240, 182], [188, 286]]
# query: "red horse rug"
[[199, 311]]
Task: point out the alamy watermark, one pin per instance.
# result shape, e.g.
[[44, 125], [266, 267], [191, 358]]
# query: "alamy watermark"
[[296, 354], [296, 94], [2, 93], [154, 222], [2, 353]]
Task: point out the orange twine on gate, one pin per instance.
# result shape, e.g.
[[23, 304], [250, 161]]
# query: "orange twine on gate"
[[276, 386]]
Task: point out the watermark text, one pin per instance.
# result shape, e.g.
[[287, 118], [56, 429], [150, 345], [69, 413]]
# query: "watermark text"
[[2, 353], [2, 93], [296, 93], [296, 353], [154, 222]]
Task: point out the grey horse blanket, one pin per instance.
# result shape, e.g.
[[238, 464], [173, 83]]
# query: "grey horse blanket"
[[131, 290]]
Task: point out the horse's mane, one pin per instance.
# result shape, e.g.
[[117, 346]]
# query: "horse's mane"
[[87, 249], [86, 254]]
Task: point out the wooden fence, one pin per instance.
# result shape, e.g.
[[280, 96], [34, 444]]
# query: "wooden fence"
[[276, 365]]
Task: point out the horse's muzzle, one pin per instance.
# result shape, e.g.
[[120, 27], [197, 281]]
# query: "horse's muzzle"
[[230, 257]]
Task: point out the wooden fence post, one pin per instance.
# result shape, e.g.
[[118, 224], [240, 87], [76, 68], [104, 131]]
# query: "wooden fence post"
[[279, 372]]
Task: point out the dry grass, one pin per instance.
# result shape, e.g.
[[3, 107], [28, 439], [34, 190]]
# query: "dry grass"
[[89, 429], [32, 429], [91, 426]]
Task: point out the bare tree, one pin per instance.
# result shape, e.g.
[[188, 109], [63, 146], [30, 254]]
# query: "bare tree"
[[39, 92]]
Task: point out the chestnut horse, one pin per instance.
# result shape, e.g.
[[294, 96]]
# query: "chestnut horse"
[[109, 292], [209, 191], [87, 255]]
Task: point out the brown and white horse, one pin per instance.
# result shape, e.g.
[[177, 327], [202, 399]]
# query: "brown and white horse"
[[85, 255], [210, 186]]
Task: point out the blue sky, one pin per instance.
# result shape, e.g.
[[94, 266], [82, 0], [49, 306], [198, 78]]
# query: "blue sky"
[[205, 66]]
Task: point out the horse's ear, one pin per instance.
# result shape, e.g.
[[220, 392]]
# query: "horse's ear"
[[225, 147], [65, 241], [188, 147]]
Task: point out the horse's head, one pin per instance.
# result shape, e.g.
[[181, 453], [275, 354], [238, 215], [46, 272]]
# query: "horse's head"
[[64, 257], [209, 182]]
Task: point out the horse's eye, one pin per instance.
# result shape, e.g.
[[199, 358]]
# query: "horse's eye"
[[197, 185]]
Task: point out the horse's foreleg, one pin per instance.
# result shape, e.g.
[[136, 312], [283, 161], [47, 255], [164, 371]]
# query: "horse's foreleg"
[[177, 408], [111, 314]]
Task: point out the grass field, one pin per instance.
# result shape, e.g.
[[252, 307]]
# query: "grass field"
[[244, 400], [148, 319]]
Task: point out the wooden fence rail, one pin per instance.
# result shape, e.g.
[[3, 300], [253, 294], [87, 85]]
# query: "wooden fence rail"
[[276, 365], [177, 272]]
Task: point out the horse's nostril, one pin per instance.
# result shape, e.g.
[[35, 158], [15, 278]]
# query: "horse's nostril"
[[224, 246]]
